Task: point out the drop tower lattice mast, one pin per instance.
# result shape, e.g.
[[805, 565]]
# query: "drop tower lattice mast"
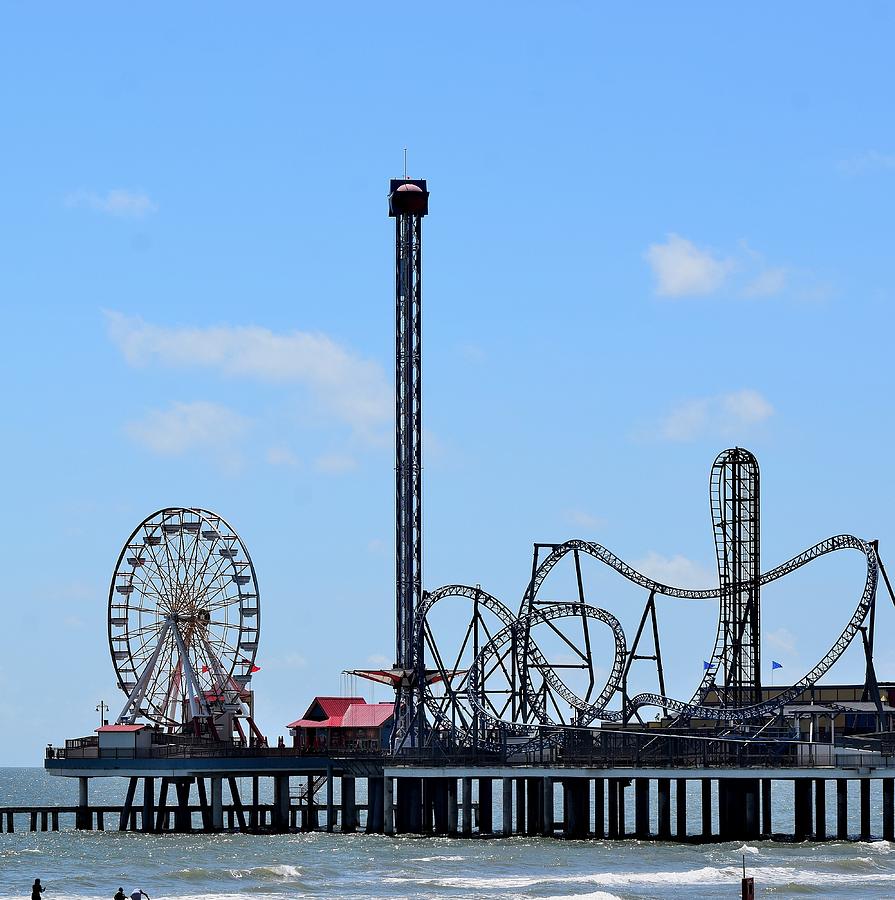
[[408, 203]]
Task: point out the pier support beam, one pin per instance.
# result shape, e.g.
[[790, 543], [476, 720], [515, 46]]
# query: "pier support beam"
[[842, 809], [349, 805], [547, 819], [641, 808], [436, 789], [623, 783], [237, 804], [534, 796], [576, 794], [802, 808], [128, 803], [280, 819], [83, 819], [506, 824], [380, 806], [385, 805], [752, 798], [466, 806], [614, 791], [663, 808], [766, 822], [183, 818], [451, 786], [865, 809], [599, 808], [486, 806], [820, 809], [431, 810], [147, 820], [330, 800], [161, 815], [521, 806], [680, 801], [409, 818], [253, 809], [309, 819], [217, 803], [204, 808], [706, 799], [888, 809]]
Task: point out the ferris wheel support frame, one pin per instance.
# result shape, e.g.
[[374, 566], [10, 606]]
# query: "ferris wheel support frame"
[[135, 698]]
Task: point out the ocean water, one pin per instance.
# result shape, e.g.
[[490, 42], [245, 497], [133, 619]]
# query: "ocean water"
[[94, 864]]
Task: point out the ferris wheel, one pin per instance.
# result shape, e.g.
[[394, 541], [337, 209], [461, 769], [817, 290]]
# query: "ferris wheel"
[[184, 619]]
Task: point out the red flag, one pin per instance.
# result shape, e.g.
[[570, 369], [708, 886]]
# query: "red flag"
[[204, 669], [256, 668]]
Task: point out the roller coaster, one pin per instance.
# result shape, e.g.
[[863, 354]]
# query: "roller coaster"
[[510, 688]]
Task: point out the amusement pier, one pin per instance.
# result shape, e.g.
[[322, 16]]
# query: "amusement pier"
[[496, 732]]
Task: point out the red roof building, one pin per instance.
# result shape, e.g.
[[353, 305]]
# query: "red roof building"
[[343, 723]]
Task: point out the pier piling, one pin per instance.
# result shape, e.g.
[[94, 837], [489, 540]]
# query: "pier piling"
[[680, 799], [888, 809], [820, 809], [865, 809], [506, 825], [486, 806]]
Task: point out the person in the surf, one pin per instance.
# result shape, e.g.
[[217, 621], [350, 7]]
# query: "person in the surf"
[[120, 895], [36, 889], [138, 895]]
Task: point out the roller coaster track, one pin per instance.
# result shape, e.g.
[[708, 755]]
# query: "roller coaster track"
[[527, 655]]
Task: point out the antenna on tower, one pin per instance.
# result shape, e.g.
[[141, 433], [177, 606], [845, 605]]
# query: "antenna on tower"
[[405, 164]]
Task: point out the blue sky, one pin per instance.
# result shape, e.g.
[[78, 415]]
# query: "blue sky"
[[655, 232]]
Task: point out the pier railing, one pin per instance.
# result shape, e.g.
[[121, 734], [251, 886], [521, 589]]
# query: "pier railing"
[[597, 749]]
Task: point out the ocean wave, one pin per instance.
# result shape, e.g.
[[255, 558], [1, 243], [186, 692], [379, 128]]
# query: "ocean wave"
[[595, 895], [269, 873], [775, 876]]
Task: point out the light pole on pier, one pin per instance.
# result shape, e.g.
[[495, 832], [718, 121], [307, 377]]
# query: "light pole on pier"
[[102, 708]]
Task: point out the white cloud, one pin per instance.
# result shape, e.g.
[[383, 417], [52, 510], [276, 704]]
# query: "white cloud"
[[724, 415], [189, 427], [377, 659], [345, 386], [582, 519], [870, 161], [766, 283], [280, 455], [286, 662], [117, 202], [782, 640], [676, 571], [335, 463], [682, 269]]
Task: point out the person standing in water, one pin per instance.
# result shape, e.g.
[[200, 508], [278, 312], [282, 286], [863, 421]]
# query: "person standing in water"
[[36, 889], [138, 895], [120, 895]]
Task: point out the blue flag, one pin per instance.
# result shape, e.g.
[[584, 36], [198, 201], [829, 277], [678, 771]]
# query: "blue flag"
[[776, 665], [706, 666]]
